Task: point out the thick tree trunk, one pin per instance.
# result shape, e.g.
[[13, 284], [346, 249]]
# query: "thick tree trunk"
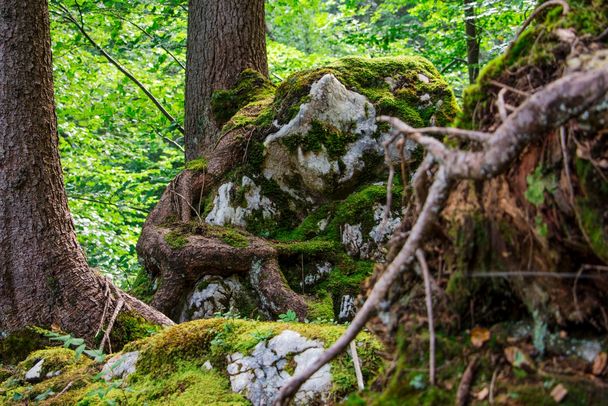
[[44, 276], [225, 37], [470, 22]]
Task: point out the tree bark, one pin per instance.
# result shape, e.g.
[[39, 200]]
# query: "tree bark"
[[470, 22], [225, 37], [44, 276]]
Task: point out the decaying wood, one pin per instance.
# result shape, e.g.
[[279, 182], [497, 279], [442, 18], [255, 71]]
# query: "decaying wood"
[[462, 394], [542, 112]]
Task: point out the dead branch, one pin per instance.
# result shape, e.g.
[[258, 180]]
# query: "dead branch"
[[462, 394], [429, 309], [551, 107], [106, 336], [358, 373]]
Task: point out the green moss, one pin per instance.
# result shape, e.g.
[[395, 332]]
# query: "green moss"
[[321, 135], [188, 385], [367, 77], [77, 372], [199, 164], [536, 46], [591, 207], [310, 247], [321, 308], [176, 240], [348, 277], [169, 369], [16, 346], [55, 359], [250, 86], [234, 238], [143, 286], [130, 327]]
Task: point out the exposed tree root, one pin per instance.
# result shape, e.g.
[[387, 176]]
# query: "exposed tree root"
[[178, 269], [544, 111]]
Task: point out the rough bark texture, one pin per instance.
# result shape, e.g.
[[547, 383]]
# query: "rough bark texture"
[[225, 37], [472, 41], [44, 276]]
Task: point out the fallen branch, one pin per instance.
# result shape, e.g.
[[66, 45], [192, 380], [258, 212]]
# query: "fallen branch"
[[429, 309], [462, 394], [106, 335], [551, 107], [358, 373]]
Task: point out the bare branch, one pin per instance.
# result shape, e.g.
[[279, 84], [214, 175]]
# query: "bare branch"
[[551, 107], [429, 309]]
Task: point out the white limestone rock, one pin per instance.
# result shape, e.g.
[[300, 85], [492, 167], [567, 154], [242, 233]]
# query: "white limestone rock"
[[226, 211], [370, 245], [34, 373], [214, 294], [332, 104], [120, 366], [347, 308], [320, 272], [259, 376]]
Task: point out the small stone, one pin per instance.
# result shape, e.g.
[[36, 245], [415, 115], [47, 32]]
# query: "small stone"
[[423, 78], [483, 394], [599, 364], [559, 393], [35, 372], [120, 366], [207, 365], [260, 375]]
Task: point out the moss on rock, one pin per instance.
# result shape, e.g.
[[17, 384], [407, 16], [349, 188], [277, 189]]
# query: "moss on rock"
[[251, 86]]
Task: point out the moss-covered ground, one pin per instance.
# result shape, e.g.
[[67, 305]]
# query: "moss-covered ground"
[[170, 367]]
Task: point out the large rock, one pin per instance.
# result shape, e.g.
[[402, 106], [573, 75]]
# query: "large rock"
[[260, 375], [215, 294], [323, 146]]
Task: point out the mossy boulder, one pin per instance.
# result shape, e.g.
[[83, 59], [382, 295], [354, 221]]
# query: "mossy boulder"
[[297, 176], [319, 138]]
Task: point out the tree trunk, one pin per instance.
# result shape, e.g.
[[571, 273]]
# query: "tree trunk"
[[225, 37], [44, 276], [470, 22]]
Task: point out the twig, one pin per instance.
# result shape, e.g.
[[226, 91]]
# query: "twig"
[[358, 373], [492, 386], [64, 390], [106, 336], [152, 37], [454, 62], [564, 147], [462, 394], [389, 184], [477, 136], [429, 310], [567, 97], [509, 88], [106, 203], [578, 276], [189, 204], [105, 307], [602, 36], [500, 102]]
